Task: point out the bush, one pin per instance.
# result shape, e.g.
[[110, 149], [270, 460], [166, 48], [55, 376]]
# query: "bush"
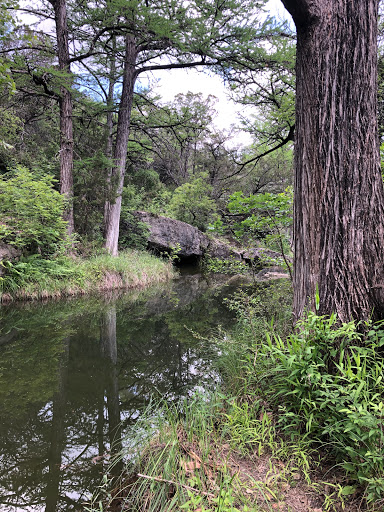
[[263, 216], [31, 213], [134, 234], [191, 202], [326, 380]]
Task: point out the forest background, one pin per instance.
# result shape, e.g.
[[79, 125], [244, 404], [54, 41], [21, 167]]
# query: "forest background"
[[62, 123]]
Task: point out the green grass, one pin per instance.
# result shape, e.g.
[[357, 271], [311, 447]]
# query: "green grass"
[[179, 460], [35, 278]]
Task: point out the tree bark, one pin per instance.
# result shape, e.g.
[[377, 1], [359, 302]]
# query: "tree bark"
[[339, 198], [113, 206], [66, 121]]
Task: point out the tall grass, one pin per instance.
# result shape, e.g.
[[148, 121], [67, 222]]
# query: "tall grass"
[[34, 277], [326, 382], [322, 384], [179, 458]]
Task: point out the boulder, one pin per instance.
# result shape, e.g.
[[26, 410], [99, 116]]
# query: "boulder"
[[167, 234]]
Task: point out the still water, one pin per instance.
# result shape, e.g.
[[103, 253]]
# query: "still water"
[[75, 374]]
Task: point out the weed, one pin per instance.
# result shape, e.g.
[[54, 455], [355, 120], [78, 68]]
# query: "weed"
[[325, 381]]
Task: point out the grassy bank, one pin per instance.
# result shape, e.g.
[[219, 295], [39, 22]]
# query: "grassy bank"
[[36, 278], [296, 426]]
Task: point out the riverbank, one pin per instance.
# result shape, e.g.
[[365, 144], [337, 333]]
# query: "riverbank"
[[296, 425], [35, 278]]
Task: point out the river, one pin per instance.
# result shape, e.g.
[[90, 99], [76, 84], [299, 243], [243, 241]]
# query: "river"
[[75, 374]]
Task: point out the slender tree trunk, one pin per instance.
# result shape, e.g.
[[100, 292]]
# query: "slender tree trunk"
[[109, 347], [110, 101], [113, 206], [65, 102], [57, 444], [109, 129], [339, 199]]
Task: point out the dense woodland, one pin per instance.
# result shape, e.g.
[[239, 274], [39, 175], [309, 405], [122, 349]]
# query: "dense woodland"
[[78, 107]]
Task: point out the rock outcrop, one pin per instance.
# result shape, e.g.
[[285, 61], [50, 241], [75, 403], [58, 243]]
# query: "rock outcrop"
[[166, 234]]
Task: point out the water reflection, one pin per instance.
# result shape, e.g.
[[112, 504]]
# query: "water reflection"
[[75, 374]]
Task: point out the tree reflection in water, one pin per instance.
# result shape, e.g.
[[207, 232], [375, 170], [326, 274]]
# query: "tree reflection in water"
[[75, 374]]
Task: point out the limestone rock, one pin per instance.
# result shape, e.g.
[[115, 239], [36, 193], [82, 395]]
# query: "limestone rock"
[[167, 234]]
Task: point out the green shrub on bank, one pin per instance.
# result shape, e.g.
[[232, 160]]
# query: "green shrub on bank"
[[326, 380], [323, 384], [33, 274], [177, 458], [192, 202], [31, 213]]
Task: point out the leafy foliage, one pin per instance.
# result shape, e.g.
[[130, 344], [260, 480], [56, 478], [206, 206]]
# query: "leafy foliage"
[[192, 203], [231, 266], [134, 234], [266, 215], [326, 380], [31, 213]]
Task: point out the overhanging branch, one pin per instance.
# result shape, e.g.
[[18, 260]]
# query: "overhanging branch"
[[256, 159]]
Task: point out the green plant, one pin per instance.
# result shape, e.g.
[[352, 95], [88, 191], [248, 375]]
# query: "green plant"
[[134, 234], [326, 382], [34, 277], [31, 213], [264, 216], [192, 203], [217, 227], [231, 266], [31, 270]]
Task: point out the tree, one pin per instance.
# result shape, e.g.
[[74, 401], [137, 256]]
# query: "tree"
[[339, 197], [192, 203], [166, 35], [5, 22], [65, 102], [31, 213], [175, 134]]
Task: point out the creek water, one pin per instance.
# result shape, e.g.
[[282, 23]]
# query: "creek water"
[[75, 374]]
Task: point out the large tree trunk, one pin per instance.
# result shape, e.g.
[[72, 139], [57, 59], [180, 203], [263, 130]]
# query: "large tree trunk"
[[113, 206], [66, 122], [339, 199]]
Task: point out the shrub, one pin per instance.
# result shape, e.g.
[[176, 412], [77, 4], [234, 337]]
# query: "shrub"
[[191, 202], [326, 380], [263, 216], [134, 234], [31, 213]]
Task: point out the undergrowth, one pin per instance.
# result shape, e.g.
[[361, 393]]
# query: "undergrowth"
[[187, 458]]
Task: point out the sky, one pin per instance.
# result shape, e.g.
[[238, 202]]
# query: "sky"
[[170, 83]]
